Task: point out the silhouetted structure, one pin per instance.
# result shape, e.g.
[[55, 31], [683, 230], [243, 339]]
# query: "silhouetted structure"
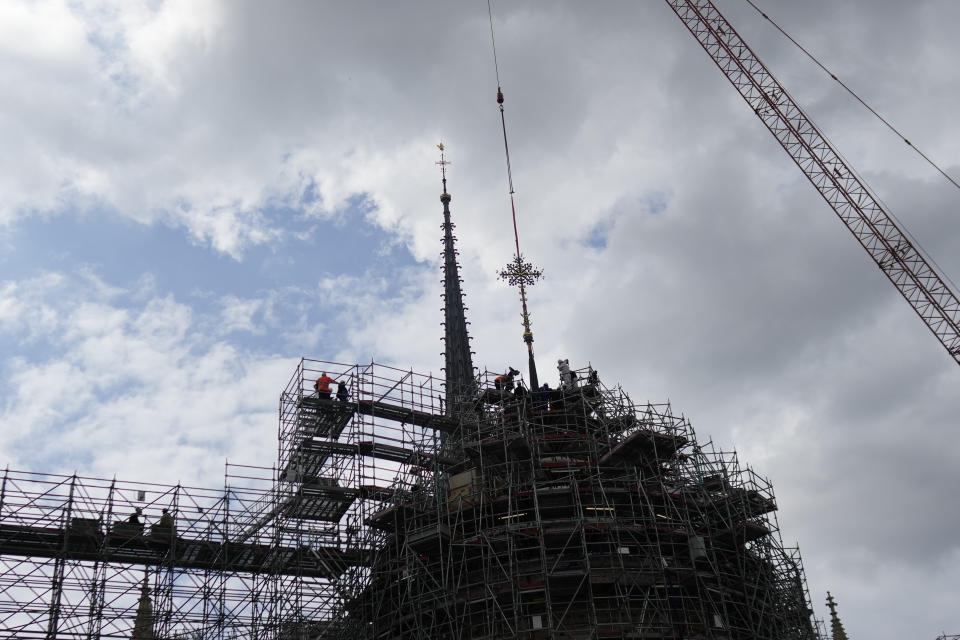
[[457, 355], [143, 623], [836, 627]]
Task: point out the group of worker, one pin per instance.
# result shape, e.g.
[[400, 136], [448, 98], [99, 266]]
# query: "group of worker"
[[165, 521], [322, 387], [542, 396], [568, 378], [505, 383]]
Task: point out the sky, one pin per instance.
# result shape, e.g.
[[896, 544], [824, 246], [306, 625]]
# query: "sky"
[[197, 193]]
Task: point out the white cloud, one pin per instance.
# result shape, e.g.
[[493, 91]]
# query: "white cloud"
[[134, 389], [45, 31], [165, 41], [238, 314], [22, 308]]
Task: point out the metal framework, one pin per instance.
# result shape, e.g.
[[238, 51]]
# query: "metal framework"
[[73, 566], [569, 514], [873, 227], [575, 514]]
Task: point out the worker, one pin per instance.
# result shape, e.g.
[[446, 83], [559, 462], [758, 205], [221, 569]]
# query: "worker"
[[594, 377], [505, 382], [342, 394], [134, 517], [166, 520], [521, 393], [591, 391], [541, 398], [322, 386]]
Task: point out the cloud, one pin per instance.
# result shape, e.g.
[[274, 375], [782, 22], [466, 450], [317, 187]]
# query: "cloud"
[[22, 309], [135, 387], [238, 314]]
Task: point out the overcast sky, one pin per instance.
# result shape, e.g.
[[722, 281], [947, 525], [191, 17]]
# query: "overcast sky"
[[196, 193]]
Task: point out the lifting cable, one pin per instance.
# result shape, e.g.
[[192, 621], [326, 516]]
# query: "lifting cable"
[[517, 273], [503, 122], [854, 94]]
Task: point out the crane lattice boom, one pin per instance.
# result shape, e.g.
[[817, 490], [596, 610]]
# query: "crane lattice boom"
[[885, 241]]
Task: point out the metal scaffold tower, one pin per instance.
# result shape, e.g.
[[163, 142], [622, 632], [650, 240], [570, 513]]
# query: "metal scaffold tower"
[[275, 553], [575, 514]]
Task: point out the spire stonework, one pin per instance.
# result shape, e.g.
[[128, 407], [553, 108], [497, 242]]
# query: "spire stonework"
[[457, 355], [836, 627], [143, 623]]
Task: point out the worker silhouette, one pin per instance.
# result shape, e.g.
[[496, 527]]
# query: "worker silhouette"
[[322, 386], [541, 397], [521, 393], [166, 520], [505, 382], [342, 394]]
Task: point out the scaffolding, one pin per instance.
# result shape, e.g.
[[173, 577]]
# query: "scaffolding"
[[74, 563], [577, 514], [573, 513]]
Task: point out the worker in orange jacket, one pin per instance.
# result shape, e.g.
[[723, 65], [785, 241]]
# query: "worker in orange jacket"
[[505, 382], [322, 385]]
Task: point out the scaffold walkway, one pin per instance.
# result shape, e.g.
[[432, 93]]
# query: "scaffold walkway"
[[73, 518]]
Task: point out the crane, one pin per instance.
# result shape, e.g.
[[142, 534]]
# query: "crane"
[[888, 244]]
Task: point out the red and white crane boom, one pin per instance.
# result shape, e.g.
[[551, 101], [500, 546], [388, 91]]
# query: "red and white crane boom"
[[876, 230]]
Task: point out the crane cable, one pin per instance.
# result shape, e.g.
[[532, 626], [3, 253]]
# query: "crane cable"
[[903, 229], [503, 122], [854, 94], [517, 273]]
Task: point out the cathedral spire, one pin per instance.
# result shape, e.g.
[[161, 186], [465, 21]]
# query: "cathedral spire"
[[143, 623], [458, 359], [836, 627]]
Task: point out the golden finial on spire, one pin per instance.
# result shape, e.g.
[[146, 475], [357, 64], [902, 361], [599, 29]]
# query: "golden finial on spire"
[[443, 170]]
